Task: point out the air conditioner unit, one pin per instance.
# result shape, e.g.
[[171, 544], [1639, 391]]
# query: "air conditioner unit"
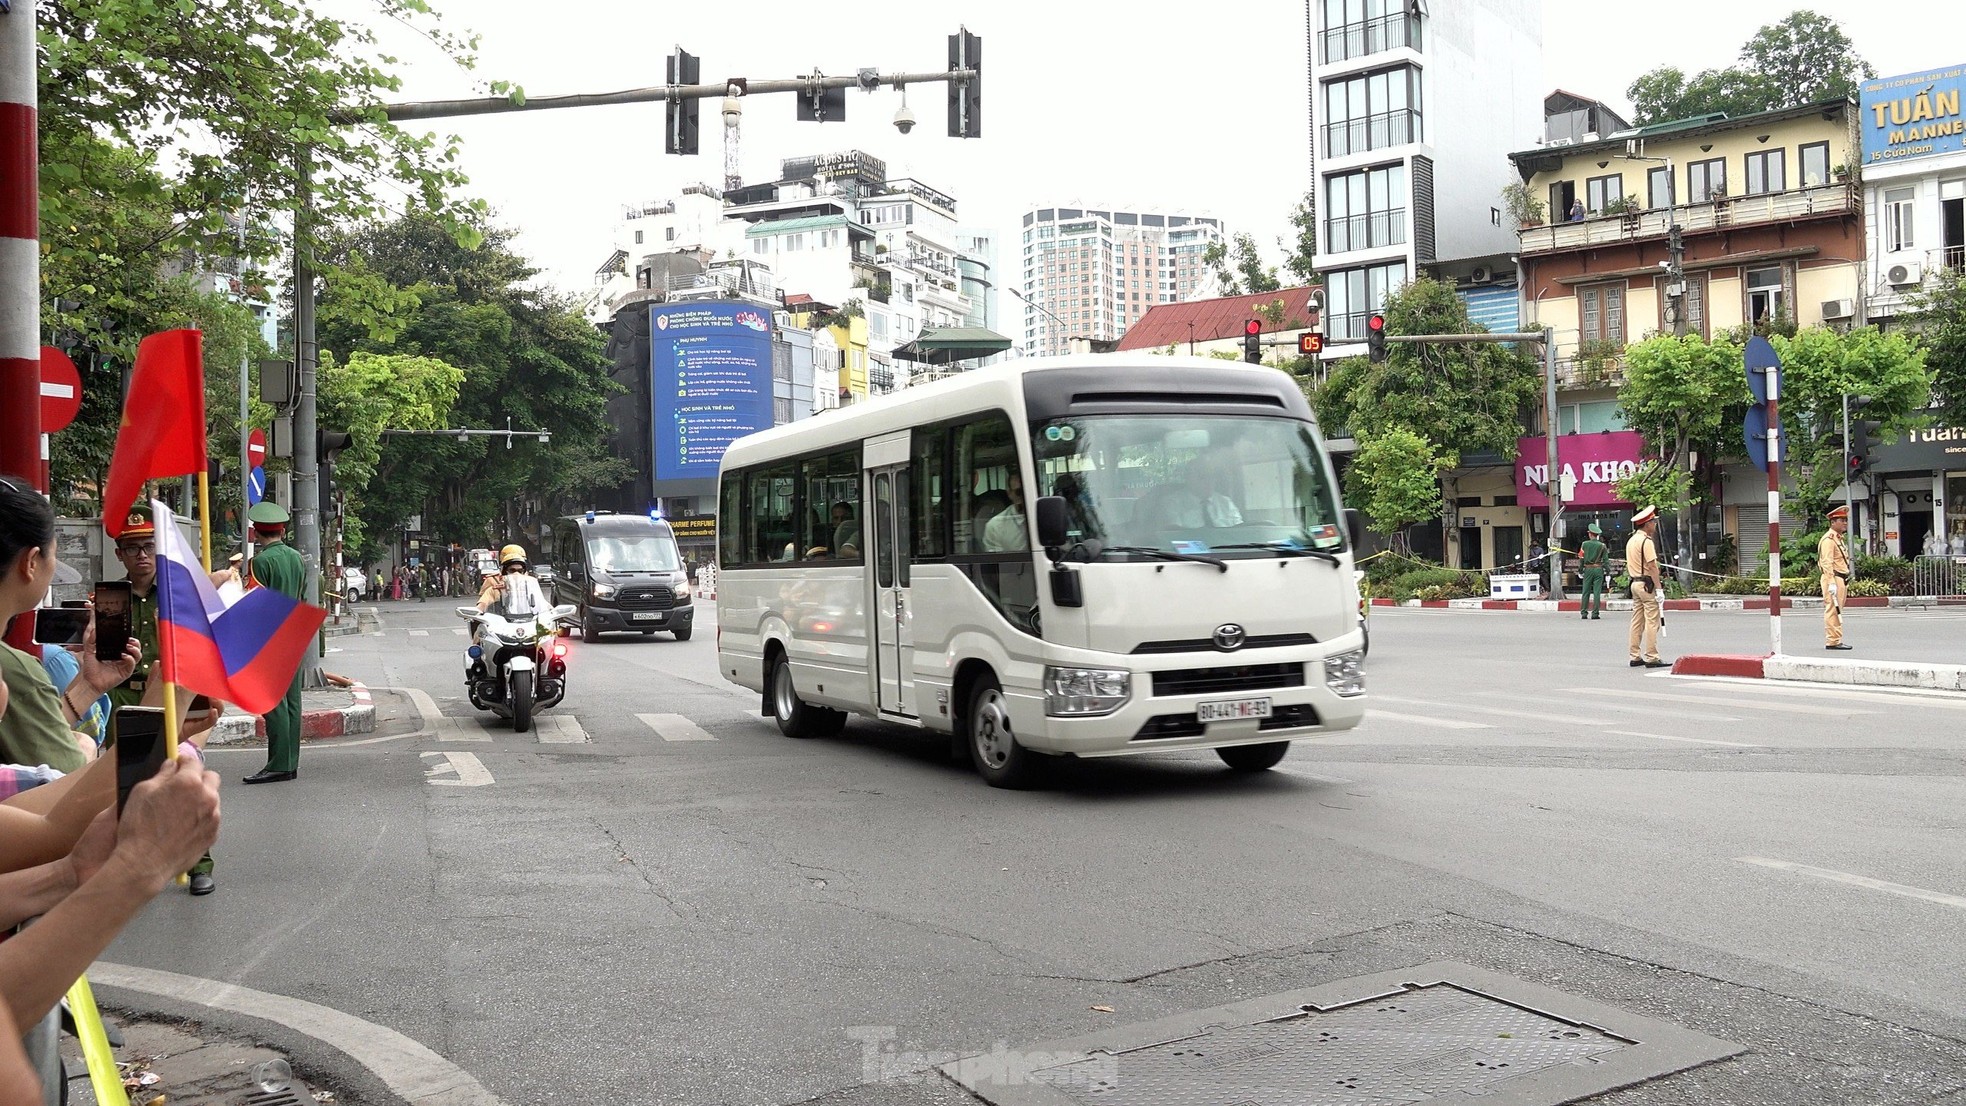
[[1481, 275], [1900, 273], [1836, 310]]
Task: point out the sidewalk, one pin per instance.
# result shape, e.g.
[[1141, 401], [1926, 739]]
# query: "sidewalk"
[[189, 1064]]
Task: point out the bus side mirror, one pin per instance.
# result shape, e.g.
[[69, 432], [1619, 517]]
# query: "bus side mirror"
[[1355, 526], [1053, 525]]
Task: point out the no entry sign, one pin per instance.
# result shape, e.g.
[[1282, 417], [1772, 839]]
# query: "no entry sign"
[[61, 390]]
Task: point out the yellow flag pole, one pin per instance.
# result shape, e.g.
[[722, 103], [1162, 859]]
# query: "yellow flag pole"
[[104, 1077], [205, 517]]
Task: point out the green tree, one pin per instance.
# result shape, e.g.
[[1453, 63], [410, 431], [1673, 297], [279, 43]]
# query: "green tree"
[[1395, 480], [1238, 267], [1802, 59], [371, 392], [1463, 399], [1687, 396], [1300, 250], [1938, 319], [1819, 368]]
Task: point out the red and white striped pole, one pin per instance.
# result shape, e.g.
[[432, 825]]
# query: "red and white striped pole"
[[21, 444], [1774, 378]]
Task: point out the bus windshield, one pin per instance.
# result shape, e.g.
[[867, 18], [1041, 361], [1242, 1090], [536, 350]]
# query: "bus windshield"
[[1232, 486], [638, 550]]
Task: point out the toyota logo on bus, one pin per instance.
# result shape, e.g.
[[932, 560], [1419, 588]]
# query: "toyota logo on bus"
[[1229, 636]]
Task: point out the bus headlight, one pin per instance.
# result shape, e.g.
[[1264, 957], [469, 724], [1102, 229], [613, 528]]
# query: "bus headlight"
[[1084, 692], [1344, 673], [604, 591]]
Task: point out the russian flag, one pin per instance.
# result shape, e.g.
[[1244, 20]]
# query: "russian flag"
[[242, 650]]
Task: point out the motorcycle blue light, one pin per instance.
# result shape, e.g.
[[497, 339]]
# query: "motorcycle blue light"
[[474, 652]]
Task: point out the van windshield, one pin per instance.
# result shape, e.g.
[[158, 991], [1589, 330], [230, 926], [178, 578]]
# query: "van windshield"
[[632, 551], [1189, 484]]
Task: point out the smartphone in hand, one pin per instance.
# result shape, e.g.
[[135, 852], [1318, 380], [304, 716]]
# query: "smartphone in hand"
[[60, 625], [139, 748], [113, 603]]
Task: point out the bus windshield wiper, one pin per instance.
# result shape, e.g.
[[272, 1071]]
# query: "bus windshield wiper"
[[1291, 550], [1162, 554]]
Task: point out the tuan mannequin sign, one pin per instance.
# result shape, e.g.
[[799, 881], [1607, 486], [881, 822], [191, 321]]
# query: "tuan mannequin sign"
[[1594, 461]]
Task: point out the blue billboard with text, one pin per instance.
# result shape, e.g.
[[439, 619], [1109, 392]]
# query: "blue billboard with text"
[[710, 376], [1914, 115]]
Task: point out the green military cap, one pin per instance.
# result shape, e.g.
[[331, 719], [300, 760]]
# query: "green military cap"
[[1596, 530], [268, 513], [139, 523]]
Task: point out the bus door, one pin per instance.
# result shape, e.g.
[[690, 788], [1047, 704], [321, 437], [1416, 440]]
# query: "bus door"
[[894, 646]]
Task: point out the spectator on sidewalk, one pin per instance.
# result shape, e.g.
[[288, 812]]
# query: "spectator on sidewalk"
[[277, 565]]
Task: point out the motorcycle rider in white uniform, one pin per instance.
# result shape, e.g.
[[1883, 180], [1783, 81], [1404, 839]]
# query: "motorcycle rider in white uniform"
[[513, 595]]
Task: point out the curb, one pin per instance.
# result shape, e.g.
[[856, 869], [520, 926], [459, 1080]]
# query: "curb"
[[1902, 674], [1721, 664], [315, 725]]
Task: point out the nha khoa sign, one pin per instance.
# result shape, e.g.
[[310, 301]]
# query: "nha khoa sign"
[[1589, 463], [1913, 115]]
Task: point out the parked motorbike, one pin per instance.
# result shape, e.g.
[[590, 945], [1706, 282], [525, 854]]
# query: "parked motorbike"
[[517, 666]]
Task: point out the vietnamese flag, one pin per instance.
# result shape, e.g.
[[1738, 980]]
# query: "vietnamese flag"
[[163, 431]]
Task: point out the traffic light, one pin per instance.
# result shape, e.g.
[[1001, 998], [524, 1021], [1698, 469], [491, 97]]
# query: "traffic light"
[[679, 116], [1375, 339], [1252, 341], [1860, 435], [1310, 343], [328, 444], [966, 97]]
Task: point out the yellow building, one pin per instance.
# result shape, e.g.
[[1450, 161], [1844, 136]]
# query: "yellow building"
[[849, 334]]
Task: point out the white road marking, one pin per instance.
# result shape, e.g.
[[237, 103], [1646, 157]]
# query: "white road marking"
[[460, 631], [459, 729], [1945, 700], [1695, 740], [1372, 712], [674, 727], [470, 771], [1539, 716], [419, 633], [1716, 701], [559, 729], [1685, 715], [1835, 876]]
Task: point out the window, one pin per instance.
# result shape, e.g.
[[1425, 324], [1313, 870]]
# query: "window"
[[1658, 188], [1952, 221], [987, 481], [931, 514], [1815, 164], [1706, 180], [1562, 194], [831, 506], [668, 234], [1354, 294], [770, 536], [1897, 219], [638, 238], [1600, 191], [1767, 295], [1767, 172], [1365, 209], [730, 521], [1601, 313], [795, 242], [1696, 305], [1372, 111]]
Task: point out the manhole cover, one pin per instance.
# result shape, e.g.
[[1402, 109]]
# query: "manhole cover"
[[1437, 1033]]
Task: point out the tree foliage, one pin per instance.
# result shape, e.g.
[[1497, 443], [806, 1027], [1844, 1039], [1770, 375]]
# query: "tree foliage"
[[1686, 395], [1802, 59], [1395, 479], [1300, 251], [1819, 368], [1238, 267], [1938, 319]]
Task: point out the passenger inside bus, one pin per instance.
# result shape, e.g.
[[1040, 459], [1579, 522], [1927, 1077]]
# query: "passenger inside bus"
[[1006, 530], [846, 531]]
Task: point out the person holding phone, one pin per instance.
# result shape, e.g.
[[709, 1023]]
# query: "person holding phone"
[[36, 726], [136, 551]]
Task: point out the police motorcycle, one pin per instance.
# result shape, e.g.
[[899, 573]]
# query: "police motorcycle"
[[517, 666]]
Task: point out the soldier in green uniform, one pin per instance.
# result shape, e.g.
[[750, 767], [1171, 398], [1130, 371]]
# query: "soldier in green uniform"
[[1592, 559], [136, 551], [277, 565]]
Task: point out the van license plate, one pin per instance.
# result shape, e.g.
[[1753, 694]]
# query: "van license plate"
[[646, 616], [1228, 710]]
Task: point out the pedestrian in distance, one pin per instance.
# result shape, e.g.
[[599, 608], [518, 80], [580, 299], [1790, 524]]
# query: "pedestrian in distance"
[[277, 565], [1833, 563], [1647, 589], [1576, 211], [1591, 564]]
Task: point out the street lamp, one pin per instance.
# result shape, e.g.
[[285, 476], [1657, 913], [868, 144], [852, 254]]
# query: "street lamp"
[[1028, 302]]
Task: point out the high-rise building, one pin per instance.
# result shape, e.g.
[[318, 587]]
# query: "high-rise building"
[[1091, 273], [1414, 107]]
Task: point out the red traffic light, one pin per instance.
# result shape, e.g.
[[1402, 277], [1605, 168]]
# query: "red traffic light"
[[1253, 327], [1310, 343], [1376, 322]]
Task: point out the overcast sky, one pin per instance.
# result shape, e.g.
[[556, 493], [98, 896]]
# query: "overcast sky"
[[1195, 107]]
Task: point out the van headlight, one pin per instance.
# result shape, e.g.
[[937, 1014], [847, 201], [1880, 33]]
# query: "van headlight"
[[1085, 692], [605, 591], [1344, 673]]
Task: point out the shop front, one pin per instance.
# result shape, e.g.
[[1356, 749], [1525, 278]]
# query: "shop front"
[[1588, 465], [1921, 485]]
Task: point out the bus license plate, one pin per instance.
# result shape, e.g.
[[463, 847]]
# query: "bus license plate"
[[646, 616], [1228, 710]]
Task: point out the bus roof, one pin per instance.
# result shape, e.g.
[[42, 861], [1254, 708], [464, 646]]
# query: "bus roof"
[[995, 385]]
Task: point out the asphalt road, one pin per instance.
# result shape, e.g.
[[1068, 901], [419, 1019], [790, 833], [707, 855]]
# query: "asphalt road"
[[659, 899]]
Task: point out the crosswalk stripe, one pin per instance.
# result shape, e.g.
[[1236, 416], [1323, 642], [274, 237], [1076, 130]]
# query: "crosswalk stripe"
[[460, 631], [1421, 719], [559, 729], [1716, 701], [1680, 715], [419, 633], [1539, 716], [1694, 740], [455, 729], [674, 727]]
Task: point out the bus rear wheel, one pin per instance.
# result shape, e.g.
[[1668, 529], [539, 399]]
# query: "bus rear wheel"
[[992, 740], [796, 717], [1254, 758]]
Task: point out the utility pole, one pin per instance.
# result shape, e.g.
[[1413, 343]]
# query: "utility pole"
[[20, 250], [1675, 267]]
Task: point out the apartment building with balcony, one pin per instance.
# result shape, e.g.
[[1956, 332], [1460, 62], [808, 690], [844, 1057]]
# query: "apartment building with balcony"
[[1413, 103], [1089, 273], [1914, 184], [1773, 234]]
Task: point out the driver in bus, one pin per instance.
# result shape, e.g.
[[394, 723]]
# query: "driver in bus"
[[1198, 501], [1006, 531]]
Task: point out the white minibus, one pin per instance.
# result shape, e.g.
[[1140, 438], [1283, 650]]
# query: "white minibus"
[[1083, 556]]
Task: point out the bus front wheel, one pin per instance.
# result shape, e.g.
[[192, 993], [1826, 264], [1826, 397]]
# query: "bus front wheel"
[[796, 717], [992, 740], [1253, 758]]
